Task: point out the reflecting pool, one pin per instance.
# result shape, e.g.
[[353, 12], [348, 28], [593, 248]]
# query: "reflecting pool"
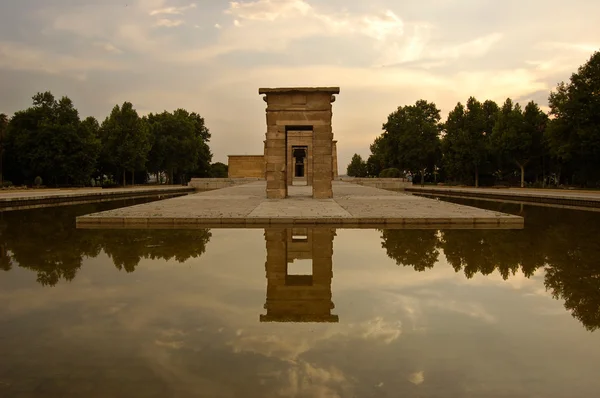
[[299, 312]]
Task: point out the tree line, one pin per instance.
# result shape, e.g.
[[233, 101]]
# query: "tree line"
[[48, 142], [486, 143]]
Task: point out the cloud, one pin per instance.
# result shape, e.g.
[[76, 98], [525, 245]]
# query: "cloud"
[[172, 10], [169, 23], [16, 56], [380, 54], [108, 47], [264, 26], [587, 48]]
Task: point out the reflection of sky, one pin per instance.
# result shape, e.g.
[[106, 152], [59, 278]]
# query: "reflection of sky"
[[192, 329]]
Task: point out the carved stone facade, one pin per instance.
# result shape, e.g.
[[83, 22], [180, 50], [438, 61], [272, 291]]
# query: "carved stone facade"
[[299, 298], [299, 119]]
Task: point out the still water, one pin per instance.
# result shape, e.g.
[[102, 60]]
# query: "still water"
[[299, 313]]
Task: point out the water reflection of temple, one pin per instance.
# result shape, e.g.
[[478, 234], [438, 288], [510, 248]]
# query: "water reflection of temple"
[[299, 297]]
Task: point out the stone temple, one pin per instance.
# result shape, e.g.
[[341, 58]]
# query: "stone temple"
[[299, 148]]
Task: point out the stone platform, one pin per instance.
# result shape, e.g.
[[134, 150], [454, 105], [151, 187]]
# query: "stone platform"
[[34, 198], [560, 197], [246, 206]]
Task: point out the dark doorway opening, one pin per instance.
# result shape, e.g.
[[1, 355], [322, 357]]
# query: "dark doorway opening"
[[299, 155]]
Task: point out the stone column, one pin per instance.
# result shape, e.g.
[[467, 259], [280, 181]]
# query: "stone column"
[[275, 156], [322, 161], [265, 159], [334, 158], [322, 254]]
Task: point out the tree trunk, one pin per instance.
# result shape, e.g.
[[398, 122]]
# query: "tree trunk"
[[476, 176], [423, 177], [171, 182], [132, 178], [522, 175], [543, 172], [124, 182], [1, 177]]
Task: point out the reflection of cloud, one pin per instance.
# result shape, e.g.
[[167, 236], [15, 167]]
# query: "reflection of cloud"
[[474, 310], [378, 329], [304, 379], [417, 377], [176, 345]]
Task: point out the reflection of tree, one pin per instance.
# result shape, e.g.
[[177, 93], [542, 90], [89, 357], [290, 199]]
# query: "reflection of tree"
[[46, 241], [561, 240], [573, 270], [484, 251], [410, 247], [127, 247], [5, 259]]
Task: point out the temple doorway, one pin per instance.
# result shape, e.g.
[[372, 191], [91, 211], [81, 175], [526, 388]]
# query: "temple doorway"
[[299, 155]]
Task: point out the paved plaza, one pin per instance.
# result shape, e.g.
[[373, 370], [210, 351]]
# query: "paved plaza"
[[247, 206]]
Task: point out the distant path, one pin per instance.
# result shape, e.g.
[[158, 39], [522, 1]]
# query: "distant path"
[[550, 196], [19, 199]]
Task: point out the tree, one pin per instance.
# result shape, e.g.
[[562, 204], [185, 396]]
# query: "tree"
[[574, 132], [219, 170], [454, 143], [125, 140], [465, 144], [376, 161], [518, 135], [179, 144], [3, 129], [357, 167], [412, 137], [49, 140]]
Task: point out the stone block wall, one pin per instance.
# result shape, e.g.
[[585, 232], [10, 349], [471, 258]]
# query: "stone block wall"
[[245, 166], [382, 183], [207, 184]]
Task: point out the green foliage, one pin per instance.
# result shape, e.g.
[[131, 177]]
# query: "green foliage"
[[219, 170], [411, 137], [518, 136], [377, 160], [125, 140], [6, 184], [38, 181], [391, 172], [49, 140], [573, 135], [357, 167], [3, 130], [179, 144], [466, 142]]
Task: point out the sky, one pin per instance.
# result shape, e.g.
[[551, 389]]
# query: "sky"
[[211, 57]]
